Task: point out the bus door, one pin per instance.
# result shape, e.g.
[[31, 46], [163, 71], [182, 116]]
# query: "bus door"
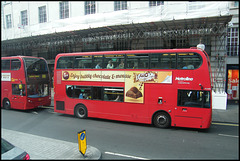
[[191, 108], [18, 96]]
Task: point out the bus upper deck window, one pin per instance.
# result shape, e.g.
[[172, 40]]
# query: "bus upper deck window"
[[83, 62], [15, 64], [5, 64], [113, 61], [137, 61], [65, 63], [163, 61], [189, 60]]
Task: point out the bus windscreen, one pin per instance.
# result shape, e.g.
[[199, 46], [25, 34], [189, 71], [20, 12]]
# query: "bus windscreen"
[[35, 66]]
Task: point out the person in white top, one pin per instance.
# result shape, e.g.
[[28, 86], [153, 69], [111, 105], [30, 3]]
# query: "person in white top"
[[110, 65]]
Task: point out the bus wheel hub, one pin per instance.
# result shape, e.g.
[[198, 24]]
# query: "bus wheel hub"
[[162, 119]]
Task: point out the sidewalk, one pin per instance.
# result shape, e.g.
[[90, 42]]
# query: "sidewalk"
[[40, 148], [230, 115]]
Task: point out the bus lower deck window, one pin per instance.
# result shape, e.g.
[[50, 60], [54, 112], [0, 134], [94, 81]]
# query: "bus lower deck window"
[[194, 98]]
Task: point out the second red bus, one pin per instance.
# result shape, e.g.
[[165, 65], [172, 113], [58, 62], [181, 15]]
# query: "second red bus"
[[25, 82]]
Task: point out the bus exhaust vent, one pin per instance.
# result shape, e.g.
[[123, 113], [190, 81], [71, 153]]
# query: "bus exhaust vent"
[[60, 105]]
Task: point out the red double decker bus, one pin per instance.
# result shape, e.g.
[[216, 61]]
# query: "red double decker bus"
[[168, 87], [25, 82]]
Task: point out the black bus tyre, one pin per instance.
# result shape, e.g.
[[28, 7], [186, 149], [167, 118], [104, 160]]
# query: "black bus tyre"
[[80, 111], [162, 120], [6, 104]]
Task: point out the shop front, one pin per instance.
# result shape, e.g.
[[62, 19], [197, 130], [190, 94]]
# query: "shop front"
[[232, 83]]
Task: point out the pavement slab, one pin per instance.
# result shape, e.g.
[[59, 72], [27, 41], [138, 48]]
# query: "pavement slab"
[[51, 148]]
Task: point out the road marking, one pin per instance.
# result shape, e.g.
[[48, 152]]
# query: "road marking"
[[228, 135], [128, 156], [34, 112], [224, 124]]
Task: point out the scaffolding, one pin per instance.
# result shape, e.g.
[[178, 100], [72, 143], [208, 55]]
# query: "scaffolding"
[[183, 33]]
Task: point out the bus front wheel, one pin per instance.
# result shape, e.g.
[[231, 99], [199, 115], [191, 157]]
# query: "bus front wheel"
[[81, 111], [162, 119], [6, 104]]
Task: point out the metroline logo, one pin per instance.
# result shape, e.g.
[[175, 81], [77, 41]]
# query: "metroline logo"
[[184, 79]]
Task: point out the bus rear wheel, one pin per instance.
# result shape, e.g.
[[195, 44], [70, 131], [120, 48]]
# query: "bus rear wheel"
[[80, 111], [162, 120], [6, 104]]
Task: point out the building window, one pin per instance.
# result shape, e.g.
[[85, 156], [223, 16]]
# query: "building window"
[[120, 5], [90, 7], [233, 42], [195, 5], [64, 9], [236, 4], [156, 3], [42, 14], [24, 18], [8, 21]]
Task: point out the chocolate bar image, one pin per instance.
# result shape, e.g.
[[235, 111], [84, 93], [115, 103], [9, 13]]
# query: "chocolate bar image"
[[133, 93]]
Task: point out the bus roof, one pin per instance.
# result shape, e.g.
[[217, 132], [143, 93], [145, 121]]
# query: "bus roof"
[[21, 56], [131, 51]]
